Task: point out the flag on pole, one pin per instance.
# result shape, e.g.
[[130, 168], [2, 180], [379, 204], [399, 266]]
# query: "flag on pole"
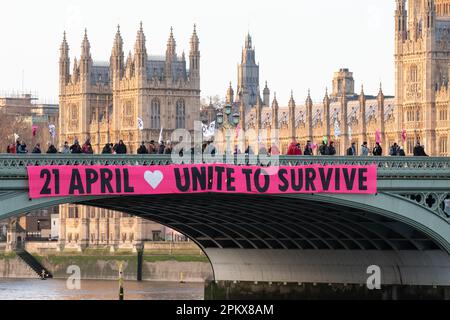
[[378, 136], [161, 136], [209, 131], [325, 139], [34, 130], [404, 136], [140, 124], [52, 130], [16, 137], [350, 133], [337, 129]]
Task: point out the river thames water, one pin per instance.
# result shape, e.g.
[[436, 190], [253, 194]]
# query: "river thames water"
[[52, 289]]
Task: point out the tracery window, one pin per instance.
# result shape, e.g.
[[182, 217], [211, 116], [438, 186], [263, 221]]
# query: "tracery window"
[[180, 114], [155, 116]]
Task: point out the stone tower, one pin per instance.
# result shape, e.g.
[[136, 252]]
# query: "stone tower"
[[422, 57], [343, 83], [102, 101], [248, 74]]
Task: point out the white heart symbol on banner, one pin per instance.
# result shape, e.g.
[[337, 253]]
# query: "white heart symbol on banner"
[[154, 179]]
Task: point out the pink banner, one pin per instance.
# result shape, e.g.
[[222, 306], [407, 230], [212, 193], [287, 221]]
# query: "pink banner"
[[62, 181]]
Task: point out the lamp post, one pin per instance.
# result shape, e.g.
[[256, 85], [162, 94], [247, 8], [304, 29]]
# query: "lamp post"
[[227, 120]]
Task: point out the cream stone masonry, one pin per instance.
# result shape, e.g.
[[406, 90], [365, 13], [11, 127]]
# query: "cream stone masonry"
[[420, 107], [103, 100]]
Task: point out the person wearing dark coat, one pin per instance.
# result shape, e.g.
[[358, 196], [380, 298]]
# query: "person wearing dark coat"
[[22, 148], [120, 148], [331, 149], [37, 149], [51, 149], [377, 151], [352, 150], [324, 150], [162, 148], [76, 148], [308, 149], [142, 149], [107, 149], [419, 151]]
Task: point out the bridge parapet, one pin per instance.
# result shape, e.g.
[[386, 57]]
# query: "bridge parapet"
[[383, 163]]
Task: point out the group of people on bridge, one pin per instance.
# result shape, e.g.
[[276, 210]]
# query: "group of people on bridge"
[[294, 149]]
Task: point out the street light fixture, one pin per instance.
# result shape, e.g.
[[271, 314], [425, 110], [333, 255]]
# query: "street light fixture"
[[227, 109], [226, 118]]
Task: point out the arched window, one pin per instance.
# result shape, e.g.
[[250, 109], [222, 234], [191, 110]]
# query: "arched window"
[[155, 115], [180, 114]]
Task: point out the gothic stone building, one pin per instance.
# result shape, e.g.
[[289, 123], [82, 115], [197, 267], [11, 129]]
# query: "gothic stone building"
[[420, 106], [103, 101]]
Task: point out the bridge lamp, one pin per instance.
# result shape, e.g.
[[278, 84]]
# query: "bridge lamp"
[[227, 109], [220, 118], [236, 119]]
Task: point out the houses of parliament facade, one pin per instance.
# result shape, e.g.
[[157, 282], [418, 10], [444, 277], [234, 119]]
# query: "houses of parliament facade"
[[420, 107], [103, 101]]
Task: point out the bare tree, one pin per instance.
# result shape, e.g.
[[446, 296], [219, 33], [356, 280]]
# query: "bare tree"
[[23, 127]]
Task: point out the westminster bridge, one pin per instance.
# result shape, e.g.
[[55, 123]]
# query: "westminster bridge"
[[297, 238]]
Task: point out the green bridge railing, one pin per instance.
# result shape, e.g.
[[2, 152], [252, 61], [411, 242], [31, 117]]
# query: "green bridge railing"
[[415, 166]]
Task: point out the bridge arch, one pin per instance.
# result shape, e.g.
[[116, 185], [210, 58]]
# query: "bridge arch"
[[288, 238]]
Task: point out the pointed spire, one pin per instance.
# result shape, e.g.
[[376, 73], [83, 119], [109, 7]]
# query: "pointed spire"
[[86, 46], [64, 45], [75, 65], [362, 91], [171, 45], [326, 99], [275, 101], [248, 41], [266, 89], [292, 101], [230, 94], [118, 43], [308, 99], [194, 40], [140, 40], [381, 89], [183, 56]]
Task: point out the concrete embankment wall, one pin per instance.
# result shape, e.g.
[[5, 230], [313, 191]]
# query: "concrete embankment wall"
[[11, 266], [154, 268]]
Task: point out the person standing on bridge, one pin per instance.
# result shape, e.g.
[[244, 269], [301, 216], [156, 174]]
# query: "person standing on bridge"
[[308, 149], [377, 151], [87, 147], [65, 148], [294, 150], [76, 148], [331, 149], [22, 148], [37, 149], [107, 149], [324, 150], [419, 150], [152, 147], [162, 148], [51, 148], [393, 152], [352, 150], [142, 149], [364, 150], [120, 148]]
